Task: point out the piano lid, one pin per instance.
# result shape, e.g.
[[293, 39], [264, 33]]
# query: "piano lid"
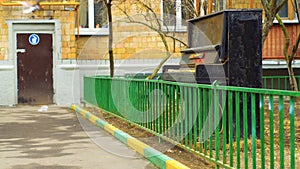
[[206, 32]]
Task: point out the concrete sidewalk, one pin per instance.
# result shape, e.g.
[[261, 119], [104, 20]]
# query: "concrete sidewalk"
[[58, 138]]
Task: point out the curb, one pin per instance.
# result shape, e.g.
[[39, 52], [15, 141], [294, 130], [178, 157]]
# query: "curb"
[[157, 158]]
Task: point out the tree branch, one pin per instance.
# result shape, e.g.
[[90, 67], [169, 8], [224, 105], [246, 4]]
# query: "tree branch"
[[154, 23], [173, 37], [289, 58], [151, 10], [273, 4], [286, 35], [265, 5], [295, 47], [282, 3]]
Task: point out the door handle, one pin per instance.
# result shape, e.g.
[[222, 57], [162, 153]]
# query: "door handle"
[[20, 50]]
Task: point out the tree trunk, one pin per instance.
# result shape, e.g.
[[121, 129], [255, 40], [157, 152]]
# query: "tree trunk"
[[289, 58], [110, 38], [293, 81], [168, 55], [266, 28]]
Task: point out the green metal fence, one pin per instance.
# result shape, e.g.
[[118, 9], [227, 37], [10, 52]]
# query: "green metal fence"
[[215, 122], [278, 82]]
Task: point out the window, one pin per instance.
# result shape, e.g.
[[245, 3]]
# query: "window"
[[92, 17], [287, 12], [176, 12], [284, 10]]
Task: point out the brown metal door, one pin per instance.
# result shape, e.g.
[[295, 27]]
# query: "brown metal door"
[[35, 63]]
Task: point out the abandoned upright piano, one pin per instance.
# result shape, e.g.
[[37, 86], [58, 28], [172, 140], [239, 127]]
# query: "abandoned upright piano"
[[227, 47], [224, 46]]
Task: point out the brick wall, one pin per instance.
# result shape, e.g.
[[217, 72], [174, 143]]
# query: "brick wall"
[[67, 20], [130, 40], [238, 4], [137, 41], [92, 47], [3, 34]]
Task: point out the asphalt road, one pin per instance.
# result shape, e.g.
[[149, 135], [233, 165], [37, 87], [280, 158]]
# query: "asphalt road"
[[59, 139]]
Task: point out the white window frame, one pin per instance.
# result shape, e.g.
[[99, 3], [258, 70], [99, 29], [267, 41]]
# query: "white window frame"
[[91, 30], [179, 27]]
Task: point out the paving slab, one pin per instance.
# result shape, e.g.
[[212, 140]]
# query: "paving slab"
[[59, 138]]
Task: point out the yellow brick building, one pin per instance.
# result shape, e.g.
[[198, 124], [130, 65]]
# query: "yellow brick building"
[[131, 40], [75, 35], [45, 53]]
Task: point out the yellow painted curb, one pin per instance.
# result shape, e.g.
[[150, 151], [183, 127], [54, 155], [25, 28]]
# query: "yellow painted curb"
[[73, 106], [173, 164], [110, 128], [83, 112], [137, 145], [161, 161], [93, 119]]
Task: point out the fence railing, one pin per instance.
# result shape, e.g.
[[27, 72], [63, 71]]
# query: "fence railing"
[[232, 127], [279, 82]]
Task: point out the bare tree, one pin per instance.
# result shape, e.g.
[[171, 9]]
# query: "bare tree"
[[152, 20]]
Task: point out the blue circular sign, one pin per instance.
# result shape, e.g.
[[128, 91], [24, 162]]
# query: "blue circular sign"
[[34, 39]]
